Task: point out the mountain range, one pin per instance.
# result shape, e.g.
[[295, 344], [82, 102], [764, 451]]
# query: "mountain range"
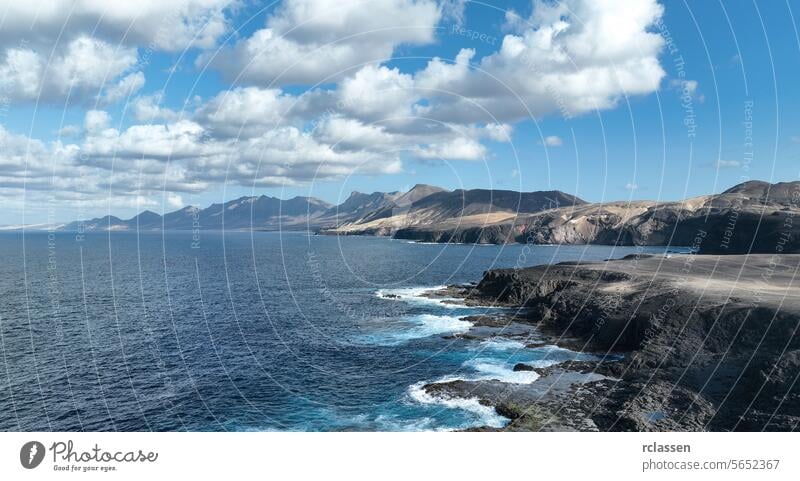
[[753, 216], [422, 204]]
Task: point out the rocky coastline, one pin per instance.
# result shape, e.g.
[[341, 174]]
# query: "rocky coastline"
[[680, 343], [752, 217]]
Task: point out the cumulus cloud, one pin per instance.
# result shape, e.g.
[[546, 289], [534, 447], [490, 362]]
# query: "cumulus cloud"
[[164, 25], [553, 141], [87, 50], [571, 57], [124, 89], [69, 130], [174, 200], [247, 112], [84, 67], [310, 41], [377, 92], [148, 108], [352, 134], [176, 140], [457, 149], [54, 172], [499, 132], [566, 58], [96, 121]]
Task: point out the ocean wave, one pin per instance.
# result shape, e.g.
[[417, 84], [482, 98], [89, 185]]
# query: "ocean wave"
[[388, 422], [560, 354], [416, 327], [488, 369], [416, 296], [485, 415], [501, 344]]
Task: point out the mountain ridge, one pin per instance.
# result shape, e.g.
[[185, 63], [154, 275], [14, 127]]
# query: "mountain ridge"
[[750, 217], [753, 216], [309, 213]]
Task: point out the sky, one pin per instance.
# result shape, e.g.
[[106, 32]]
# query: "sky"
[[118, 107]]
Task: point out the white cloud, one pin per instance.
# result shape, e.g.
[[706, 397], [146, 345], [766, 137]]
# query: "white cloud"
[[34, 174], [83, 68], [454, 10], [378, 92], [457, 149], [282, 155], [246, 112], [176, 140], [573, 57], [727, 164], [84, 50], [631, 186], [147, 108], [125, 88], [174, 200], [352, 134], [310, 41], [568, 58], [96, 121], [499, 132], [164, 25], [69, 130], [687, 89], [553, 141]]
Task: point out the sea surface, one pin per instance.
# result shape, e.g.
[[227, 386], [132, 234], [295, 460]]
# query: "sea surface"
[[248, 331]]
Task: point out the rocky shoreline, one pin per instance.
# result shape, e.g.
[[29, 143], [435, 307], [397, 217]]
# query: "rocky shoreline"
[[682, 343]]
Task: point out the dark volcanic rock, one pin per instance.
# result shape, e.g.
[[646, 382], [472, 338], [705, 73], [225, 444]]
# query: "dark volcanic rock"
[[712, 340]]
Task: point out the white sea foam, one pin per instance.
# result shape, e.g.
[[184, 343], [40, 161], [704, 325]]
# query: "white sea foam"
[[419, 326], [416, 295], [388, 422], [494, 369], [563, 354], [486, 415], [429, 325], [501, 344], [485, 369]]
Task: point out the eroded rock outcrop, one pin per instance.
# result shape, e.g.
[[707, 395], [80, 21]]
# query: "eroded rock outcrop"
[[709, 342]]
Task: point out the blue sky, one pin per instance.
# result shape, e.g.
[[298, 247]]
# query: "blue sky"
[[109, 109]]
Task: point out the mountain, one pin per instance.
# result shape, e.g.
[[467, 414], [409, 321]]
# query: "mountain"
[[418, 192], [147, 220], [389, 205], [358, 206], [262, 213], [427, 207], [750, 217], [259, 213], [106, 223], [376, 213], [182, 219]]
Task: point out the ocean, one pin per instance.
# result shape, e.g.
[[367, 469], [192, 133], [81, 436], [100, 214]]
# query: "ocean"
[[249, 331]]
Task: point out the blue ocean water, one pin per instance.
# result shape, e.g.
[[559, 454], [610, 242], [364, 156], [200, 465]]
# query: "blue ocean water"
[[247, 331]]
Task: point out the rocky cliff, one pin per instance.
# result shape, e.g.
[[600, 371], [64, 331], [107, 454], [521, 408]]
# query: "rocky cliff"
[[710, 342], [751, 217]]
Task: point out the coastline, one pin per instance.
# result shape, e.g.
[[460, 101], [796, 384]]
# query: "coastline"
[[699, 342]]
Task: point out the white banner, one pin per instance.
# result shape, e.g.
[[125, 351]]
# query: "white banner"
[[398, 456]]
